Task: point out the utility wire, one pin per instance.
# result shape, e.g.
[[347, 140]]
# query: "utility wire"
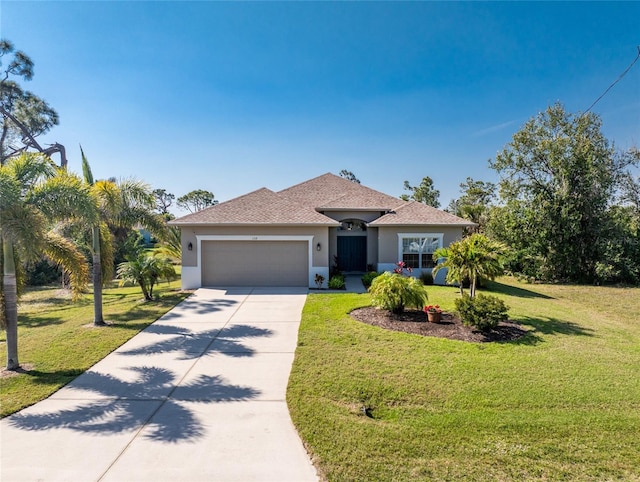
[[616, 81]]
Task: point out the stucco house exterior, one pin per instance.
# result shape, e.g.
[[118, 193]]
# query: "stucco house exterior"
[[285, 238]]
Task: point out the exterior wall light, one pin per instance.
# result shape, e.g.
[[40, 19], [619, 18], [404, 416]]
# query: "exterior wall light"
[[318, 247], [190, 246]]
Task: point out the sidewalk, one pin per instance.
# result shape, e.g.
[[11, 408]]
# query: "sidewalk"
[[197, 396]]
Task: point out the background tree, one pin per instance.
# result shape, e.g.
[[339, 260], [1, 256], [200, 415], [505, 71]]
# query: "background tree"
[[424, 193], [34, 197], [558, 177], [349, 176], [25, 116], [475, 202], [164, 200], [196, 200]]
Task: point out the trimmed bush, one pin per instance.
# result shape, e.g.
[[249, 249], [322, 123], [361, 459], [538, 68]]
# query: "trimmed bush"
[[484, 312], [426, 277], [394, 292], [367, 278], [336, 282]]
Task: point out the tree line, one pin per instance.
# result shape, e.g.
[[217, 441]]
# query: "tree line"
[[567, 203]]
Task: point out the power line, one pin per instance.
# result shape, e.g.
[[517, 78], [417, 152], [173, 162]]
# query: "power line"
[[615, 82]]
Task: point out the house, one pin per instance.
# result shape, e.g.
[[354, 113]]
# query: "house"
[[285, 238]]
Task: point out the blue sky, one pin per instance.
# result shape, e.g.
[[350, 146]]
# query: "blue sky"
[[231, 97]]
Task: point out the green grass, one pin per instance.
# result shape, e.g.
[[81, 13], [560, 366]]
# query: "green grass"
[[563, 403], [57, 341]]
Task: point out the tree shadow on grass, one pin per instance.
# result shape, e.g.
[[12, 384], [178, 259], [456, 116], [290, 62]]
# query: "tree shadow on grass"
[[29, 321], [152, 400], [514, 290], [548, 326]]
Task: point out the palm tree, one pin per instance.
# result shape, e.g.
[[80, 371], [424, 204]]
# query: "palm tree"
[[35, 196], [171, 244], [146, 270], [122, 206], [471, 258]]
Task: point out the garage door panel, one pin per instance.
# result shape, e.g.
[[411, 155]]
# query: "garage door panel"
[[255, 263]]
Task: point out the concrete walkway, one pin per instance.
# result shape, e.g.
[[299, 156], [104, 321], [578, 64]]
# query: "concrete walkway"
[[197, 396]]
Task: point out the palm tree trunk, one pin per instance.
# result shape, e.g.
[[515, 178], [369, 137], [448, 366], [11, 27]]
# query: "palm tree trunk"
[[10, 288], [98, 320]]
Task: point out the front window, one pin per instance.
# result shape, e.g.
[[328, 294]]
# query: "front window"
[[416, 250]]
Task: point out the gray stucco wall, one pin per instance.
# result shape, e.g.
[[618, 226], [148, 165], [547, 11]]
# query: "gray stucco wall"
[[320, 235]]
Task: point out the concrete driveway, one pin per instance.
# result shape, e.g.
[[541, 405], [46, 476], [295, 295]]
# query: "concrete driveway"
[[197, 396]]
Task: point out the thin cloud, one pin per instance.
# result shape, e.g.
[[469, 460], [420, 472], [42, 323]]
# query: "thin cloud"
[[492, 129]]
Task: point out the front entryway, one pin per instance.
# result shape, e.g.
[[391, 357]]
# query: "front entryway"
[[352, 253]]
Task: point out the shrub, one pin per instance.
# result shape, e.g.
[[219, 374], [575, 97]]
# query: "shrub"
[[426, 277], [394, 292], [336, 282], [367, 278], [484, 312]]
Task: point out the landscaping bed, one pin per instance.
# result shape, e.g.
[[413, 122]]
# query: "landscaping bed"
[[450, 325]]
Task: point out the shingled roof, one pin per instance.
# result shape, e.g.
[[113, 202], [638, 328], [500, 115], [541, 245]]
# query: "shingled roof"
[[333, 193], [413, 212], [258, 207], [300, 205]]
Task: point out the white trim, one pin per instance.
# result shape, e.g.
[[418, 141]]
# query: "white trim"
[[196, 278], [401, 236]]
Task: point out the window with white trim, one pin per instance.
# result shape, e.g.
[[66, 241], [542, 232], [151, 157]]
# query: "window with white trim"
[[416, 250]]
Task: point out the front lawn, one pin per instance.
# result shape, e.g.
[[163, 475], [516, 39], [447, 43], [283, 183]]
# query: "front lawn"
[[562, 403], [57, 342]]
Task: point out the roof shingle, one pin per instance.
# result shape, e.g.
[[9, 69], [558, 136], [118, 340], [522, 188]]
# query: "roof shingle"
[[258, 207], [414, 212]]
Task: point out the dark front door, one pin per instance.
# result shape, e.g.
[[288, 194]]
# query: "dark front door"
[[352, 253]]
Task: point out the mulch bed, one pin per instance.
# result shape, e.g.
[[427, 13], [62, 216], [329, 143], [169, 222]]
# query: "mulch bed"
[[450, 326]]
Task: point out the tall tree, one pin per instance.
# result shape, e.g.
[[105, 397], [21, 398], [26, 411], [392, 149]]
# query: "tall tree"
[[196, 200], [424, 193], [475, 202], [349, 176], [34, 197], [25, 116], [164, 200], [559, 174], [122, 205]]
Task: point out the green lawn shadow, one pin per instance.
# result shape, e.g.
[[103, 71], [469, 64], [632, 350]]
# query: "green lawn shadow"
[[554, 326], [513, 290]]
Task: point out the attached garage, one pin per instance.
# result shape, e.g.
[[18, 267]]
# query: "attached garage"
[[255, 263]]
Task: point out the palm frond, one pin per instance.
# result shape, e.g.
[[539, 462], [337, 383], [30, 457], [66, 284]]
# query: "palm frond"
[[25, 227], [62, 251], [65, 196], [109, 198], [107, 254], [30, 168], [86, 169]]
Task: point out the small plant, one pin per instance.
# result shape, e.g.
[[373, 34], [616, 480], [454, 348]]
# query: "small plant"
[[484, 312], [394, 292], [426, 277], [368, 278], [432, 309], [336, 282], [319, 280], [401, 266]]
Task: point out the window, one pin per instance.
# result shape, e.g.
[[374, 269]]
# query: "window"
[[416, 250]]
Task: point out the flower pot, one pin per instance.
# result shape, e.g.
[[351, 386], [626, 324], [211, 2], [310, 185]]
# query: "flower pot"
[[434, 316]]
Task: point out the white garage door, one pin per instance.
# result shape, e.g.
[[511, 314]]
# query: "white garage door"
[[255, 263]]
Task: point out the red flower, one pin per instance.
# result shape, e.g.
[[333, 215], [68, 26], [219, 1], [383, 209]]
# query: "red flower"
[[432, 309]]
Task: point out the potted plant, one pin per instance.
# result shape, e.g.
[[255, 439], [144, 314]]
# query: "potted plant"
[[434, 313]]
